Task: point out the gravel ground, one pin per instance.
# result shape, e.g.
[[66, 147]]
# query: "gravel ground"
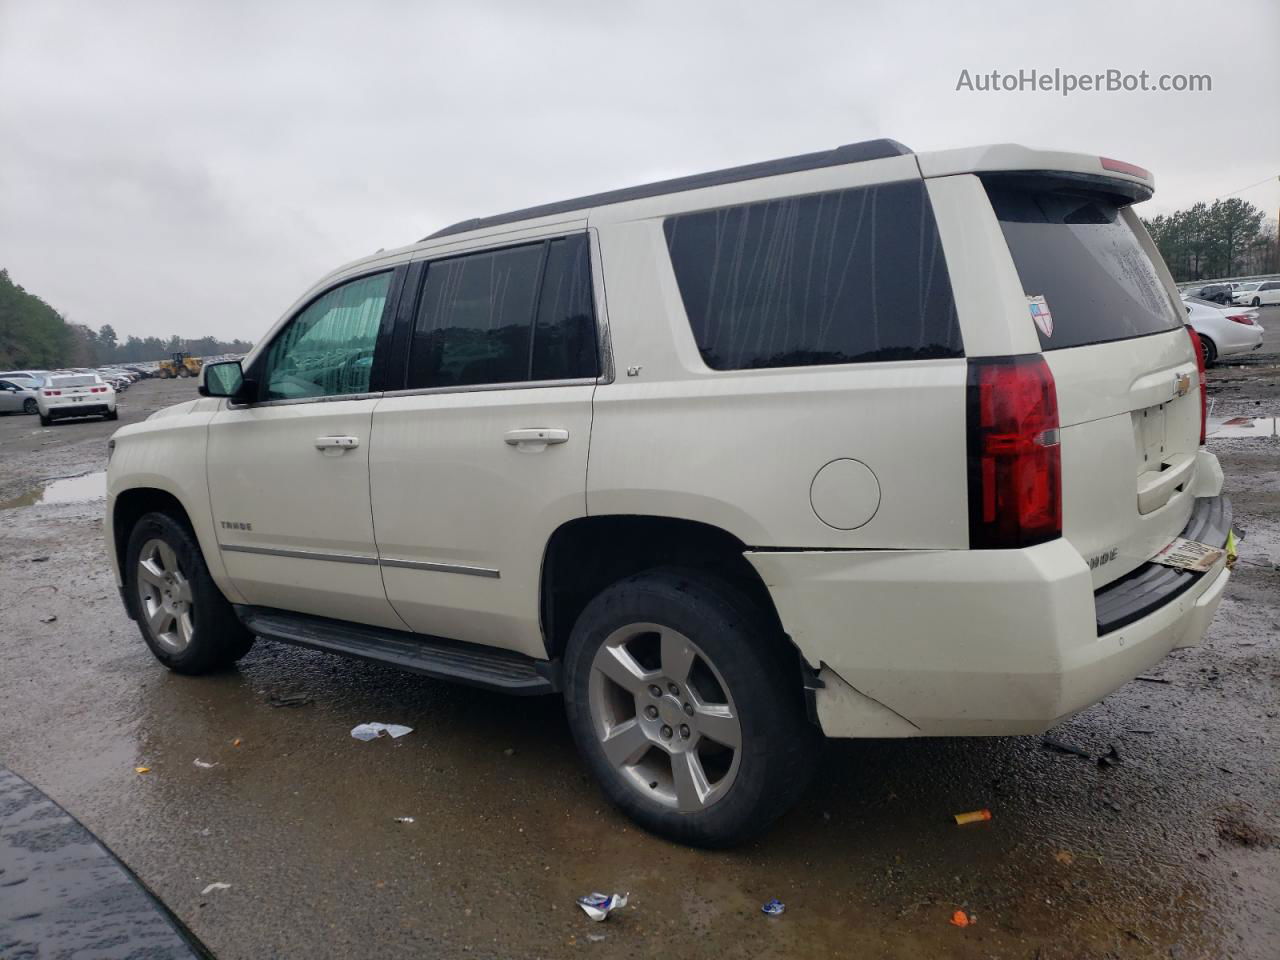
[[1170, 853]]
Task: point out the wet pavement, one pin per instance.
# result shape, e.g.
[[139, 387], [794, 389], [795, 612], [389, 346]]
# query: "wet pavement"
[[63, 895], [1172, 852]]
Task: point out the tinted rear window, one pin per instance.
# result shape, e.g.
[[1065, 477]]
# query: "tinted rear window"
[[1076, 251], [843, 277], [72, 381]]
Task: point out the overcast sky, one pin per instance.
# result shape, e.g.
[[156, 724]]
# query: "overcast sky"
[[192, 167]]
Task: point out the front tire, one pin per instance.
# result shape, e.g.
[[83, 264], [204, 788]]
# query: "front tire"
[[687, 707], [30, 407], [1257, 302], [182, 615]]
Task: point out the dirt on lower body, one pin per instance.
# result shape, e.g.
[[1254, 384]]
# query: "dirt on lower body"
[[1163, 851]]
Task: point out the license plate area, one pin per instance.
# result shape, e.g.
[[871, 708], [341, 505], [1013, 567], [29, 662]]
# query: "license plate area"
[[1151, 438]]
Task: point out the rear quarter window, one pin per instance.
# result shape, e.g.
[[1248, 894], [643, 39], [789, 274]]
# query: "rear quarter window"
[[1074, 249], [850, 276]]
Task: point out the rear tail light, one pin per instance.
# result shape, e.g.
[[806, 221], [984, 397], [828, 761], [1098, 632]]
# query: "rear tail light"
[[97, 389], [1241, 318], [1015, 460], [1204, 406], [53, 393]]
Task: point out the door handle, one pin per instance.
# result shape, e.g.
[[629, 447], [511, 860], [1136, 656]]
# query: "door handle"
[[338, 443], [535, 439]]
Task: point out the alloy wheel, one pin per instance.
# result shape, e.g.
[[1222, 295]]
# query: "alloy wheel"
[[164, 596], [665, 717]]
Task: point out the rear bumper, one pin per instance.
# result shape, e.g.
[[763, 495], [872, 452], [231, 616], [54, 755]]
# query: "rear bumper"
[[79, 410], [1244, 340], [980, 642]]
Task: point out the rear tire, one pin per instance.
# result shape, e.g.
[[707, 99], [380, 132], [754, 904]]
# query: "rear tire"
[[664, 672], [182, 615], [46, 421], [1210, 350], [112, 415]]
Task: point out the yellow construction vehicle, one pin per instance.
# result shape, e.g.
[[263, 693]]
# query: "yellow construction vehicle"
[[179, 365]]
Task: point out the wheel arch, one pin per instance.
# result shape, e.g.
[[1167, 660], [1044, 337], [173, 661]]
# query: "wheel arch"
[[132, 504], [585, 555]]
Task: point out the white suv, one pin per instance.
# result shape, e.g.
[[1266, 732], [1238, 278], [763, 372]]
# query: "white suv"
[[863, 443]]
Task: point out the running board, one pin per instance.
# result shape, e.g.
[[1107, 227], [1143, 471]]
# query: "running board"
[[468, 663]]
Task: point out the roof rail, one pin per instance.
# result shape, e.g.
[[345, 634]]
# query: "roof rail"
[[849, 153]]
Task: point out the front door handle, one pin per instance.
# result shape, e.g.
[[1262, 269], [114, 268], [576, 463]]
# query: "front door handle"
[[337, 443], [535, 439]]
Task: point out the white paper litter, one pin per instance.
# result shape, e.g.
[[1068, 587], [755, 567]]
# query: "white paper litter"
[[372, 731], [598, 906], [215, 886], [204, 764]]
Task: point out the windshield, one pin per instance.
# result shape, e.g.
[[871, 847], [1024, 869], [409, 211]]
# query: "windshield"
[[1075, 249]]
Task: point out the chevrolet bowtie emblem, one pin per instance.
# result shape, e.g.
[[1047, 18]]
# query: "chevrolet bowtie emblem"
[[1182, 384]]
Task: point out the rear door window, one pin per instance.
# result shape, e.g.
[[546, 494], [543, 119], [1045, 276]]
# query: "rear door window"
[[506, 316], [1074, 249], [850, 276]]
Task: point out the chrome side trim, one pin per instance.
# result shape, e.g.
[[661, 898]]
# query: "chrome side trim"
[[372, 561], [485, 387], [329, 398], [443, 568], [301, 554]]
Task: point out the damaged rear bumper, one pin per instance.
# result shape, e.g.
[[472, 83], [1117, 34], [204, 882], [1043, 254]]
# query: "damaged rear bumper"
[[980, 642]]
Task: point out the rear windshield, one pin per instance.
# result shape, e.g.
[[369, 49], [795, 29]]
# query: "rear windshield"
[[72, 381], [1076, 251]]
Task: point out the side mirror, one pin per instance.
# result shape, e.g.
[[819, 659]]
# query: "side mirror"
[[224, 379]]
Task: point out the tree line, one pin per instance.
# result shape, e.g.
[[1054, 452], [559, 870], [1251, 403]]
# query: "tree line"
[[1227, 238], [33, 335]]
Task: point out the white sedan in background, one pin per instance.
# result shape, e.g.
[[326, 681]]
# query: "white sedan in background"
[[1223, 331], [1257, 294], [17, 395], [75, 395]]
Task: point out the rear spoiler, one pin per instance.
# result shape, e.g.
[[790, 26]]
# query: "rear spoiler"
[[1123, 180]]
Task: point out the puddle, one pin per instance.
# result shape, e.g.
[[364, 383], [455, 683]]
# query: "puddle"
[[1235, 428], [91, 486]]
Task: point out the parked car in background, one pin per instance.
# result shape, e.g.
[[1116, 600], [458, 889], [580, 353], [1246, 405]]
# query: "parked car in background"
[[1223, 331], [17, 396], [1263, 293], [1214, 292], [1241, 292], [120, 379], [65, 395], [34, 376]]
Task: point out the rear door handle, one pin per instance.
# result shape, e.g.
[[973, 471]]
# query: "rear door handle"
[[535, 439], [338, 443]]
